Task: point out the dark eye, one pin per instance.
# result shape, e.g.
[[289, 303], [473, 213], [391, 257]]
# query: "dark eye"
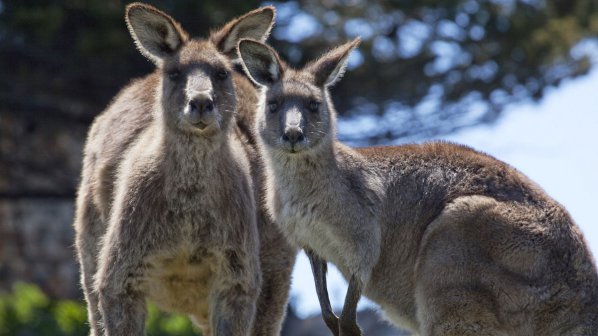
[[272, 106], [314, 106], [173, 74], [222, 74]]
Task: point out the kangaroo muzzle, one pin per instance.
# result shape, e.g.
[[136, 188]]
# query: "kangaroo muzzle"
[[200, 111], [293, 131], [293, 135]]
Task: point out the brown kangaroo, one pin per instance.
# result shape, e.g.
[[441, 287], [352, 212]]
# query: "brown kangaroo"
[[447, 240], [166, 209]]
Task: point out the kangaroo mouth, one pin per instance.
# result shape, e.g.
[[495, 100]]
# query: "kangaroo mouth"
[[295, 149], [292, 148], [201, 125], [201, 128]]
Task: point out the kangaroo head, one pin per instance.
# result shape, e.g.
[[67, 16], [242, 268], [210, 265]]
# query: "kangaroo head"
[[196, 93], [297, 112]]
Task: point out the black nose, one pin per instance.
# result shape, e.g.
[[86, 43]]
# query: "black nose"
[[201, 105], [293, 135]]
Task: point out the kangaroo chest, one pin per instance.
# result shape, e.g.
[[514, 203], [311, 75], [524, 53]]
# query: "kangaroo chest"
[[197, 211], [179, 275], [313, 222], [180, 279]]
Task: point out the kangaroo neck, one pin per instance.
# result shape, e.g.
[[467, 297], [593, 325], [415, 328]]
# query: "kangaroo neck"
[[312, 172], [192, 156]]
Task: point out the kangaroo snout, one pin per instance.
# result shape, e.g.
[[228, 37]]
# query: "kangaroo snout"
[[293, 131], [293, 135], [198, 110]]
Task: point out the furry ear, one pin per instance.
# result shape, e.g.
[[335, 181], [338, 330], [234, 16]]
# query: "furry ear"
[[255, 25], [330, 67], [156, 34], [260, 62]]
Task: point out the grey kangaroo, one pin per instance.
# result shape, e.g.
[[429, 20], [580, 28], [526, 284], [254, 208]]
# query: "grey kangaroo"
[[166, 209], [447, 240]]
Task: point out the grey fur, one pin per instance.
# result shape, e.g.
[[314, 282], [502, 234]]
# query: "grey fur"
[[447, 240], [167, 208]]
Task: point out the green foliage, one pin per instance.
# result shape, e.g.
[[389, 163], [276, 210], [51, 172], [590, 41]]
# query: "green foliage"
[[157, 324], [431, 67], [71, 317], [28, 311]]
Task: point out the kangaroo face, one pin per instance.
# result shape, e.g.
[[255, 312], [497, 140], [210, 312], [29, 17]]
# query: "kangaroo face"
[[197, 94], [296, 113]]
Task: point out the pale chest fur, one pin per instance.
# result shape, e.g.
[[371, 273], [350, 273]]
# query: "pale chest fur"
[[316, 210], [180, 279], [178, 272], [209, 191], [306, 224], [198, 193]]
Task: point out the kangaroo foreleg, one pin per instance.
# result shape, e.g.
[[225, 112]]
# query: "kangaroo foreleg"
[[348, 320], [319, 269]]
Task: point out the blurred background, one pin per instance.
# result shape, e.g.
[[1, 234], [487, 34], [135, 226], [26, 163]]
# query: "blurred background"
[[514, 78]]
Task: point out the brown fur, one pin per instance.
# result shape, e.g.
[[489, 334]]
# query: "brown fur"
[[447, 240], [277, 256], [167, 210]]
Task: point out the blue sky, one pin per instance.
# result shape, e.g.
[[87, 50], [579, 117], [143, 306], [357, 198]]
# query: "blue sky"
[[554, 142]]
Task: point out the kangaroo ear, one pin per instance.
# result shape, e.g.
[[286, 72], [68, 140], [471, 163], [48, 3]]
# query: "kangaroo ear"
[[330, 67], [156, 34], [260, 62], [255, 25]]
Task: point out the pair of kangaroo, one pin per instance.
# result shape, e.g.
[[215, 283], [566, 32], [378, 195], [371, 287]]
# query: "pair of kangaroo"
[[447, 240]]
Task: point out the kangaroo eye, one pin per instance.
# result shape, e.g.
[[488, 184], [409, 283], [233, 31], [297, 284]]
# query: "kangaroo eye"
[[173, 74], [272, 106], [222, 74], [314, 106]]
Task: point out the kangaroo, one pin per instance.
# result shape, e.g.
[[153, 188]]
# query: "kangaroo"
[[166, 208], [447, 240]]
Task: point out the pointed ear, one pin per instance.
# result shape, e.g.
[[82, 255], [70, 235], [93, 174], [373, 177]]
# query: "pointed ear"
[[330, 67], [255, 25], [260, 62], [156, 34]]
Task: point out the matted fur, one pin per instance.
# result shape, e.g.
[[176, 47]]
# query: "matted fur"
[[171, 212], [447, 240]]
